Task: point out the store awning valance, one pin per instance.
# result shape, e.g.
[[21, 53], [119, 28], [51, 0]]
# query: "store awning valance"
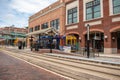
[[45, 31]]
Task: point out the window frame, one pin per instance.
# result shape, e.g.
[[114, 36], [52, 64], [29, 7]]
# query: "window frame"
[[44, 25], [115, 7], [72, 11], [55, 23], [37, 27], [92, 6]]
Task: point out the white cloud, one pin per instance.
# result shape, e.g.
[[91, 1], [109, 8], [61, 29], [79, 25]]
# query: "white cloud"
[[30, 6], [17, 12], [11, 19]]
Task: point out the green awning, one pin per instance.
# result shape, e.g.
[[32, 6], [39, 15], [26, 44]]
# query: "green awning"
[[18, 34]]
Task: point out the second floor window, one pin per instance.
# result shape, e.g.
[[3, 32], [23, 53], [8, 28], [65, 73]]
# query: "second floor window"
[[44, 26], [37, 27], [31, 30], [116, 6], [72, 16], [55, 23], [93, 9]]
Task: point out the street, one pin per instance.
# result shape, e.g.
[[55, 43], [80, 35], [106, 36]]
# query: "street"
[[14, 69]]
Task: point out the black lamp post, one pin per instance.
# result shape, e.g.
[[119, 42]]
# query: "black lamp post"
[[51, 41], [88, 40], [31, 42], [39, 40]]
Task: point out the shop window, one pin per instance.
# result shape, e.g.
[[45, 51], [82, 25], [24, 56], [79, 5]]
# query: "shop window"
[[70, 40], [93, 9], [72, 16], [116, 6]]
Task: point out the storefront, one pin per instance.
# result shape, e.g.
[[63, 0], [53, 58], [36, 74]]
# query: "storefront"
[[45, 38], [72, 40], [96, 40]]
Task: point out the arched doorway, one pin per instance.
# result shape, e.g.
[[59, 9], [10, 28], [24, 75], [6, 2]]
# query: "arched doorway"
[[116, 41], [115, 36], [72, 40], [96, 40]]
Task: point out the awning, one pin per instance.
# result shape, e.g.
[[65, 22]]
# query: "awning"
[[18, 34], [46, 31]]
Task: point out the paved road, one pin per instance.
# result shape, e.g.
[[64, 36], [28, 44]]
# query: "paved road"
[[14, 69]]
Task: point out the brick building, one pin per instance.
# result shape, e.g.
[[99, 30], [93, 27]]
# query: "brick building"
[[11, 35], [103, 17]]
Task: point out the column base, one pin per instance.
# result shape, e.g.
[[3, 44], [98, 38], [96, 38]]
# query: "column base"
[[110, 50]]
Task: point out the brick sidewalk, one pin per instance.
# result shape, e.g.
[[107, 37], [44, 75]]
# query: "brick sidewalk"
[[14, 69]]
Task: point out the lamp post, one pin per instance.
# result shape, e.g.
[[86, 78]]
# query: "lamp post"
[[88, 40], [31, 44], [51, 41], [39, 40]]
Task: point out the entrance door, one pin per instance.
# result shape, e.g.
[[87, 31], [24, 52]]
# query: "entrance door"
[[98, 44], [118, 43]]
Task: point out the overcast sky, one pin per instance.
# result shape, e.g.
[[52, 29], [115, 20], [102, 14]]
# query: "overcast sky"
[[17, 12]]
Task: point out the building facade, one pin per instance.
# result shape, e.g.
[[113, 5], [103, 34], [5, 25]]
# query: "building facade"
[[103, 17], [12, 35]]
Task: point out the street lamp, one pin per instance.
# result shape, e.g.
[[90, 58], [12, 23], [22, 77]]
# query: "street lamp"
[[51, 41], [31, 42], [88, 40]]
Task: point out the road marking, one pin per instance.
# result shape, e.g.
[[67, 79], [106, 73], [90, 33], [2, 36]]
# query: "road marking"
[[37, 66]]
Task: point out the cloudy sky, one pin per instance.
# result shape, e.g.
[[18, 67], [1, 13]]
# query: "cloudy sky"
[[17, 12]]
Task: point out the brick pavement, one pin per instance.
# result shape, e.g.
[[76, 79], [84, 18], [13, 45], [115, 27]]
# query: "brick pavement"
[[14, 69]]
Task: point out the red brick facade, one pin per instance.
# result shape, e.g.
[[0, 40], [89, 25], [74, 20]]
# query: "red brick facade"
[[107, 25]]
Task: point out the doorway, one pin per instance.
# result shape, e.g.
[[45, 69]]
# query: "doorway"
[[118, 42], [97, 41]]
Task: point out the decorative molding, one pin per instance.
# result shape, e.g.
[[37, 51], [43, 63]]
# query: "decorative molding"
[[110, 7], [72, 27], [94, 23], [115, 19], [110, 50]]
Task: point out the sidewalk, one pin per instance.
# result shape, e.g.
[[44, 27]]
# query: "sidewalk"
[[110, 55], [101, 54], [103, 58]]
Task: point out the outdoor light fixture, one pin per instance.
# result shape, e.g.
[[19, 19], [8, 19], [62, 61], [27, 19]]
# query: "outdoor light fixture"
[[105, 36], [113, 38], [80, 38], [88, 40]]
